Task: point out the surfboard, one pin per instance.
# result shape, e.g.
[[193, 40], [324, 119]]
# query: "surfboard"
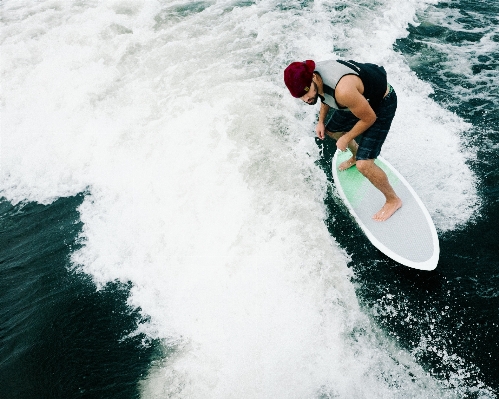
[[409, 236]]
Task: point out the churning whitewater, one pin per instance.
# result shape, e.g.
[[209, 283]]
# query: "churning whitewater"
[[201, 182]]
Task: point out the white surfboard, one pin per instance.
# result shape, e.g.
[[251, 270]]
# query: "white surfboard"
[[409, 236]]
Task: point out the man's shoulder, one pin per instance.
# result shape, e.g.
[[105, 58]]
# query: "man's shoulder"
[[337, 64], [348, 83], [333, 70], [324, 63]]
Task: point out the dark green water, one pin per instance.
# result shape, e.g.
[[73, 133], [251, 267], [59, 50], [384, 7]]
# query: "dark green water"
[[60, 337]]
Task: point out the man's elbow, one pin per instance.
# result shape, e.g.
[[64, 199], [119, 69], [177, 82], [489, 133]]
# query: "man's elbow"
[[370, 119]]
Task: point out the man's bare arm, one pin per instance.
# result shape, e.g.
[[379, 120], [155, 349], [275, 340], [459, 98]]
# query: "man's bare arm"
[[321, 126], [348, 94]]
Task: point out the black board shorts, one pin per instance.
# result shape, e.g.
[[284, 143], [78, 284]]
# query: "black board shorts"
[[371, 141]]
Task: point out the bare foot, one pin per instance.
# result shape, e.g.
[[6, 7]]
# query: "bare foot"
[[347, 164], [388, 210]]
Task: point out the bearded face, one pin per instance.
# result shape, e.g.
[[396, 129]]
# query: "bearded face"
[[312, 95]]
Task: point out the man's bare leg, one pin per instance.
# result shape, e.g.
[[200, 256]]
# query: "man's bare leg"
[[380, 180], [352, 146]]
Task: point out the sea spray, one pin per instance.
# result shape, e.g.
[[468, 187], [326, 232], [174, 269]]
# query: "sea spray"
[[202, 186]]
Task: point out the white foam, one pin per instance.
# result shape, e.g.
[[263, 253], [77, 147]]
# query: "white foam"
[[202, 186]]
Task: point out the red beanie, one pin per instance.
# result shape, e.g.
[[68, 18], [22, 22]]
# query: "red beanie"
[[298, 77]]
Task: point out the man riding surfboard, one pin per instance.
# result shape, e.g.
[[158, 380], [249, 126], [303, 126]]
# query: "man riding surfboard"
[[364, 104]]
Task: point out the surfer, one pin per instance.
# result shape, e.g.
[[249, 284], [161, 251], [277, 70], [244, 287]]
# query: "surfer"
[[364, 105]]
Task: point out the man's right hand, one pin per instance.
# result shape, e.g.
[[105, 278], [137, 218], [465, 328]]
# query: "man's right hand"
[[320, 130]]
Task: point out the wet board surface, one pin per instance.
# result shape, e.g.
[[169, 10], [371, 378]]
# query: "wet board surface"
[[409, 237]]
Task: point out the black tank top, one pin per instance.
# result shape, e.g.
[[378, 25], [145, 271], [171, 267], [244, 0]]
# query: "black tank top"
[[374, 80]]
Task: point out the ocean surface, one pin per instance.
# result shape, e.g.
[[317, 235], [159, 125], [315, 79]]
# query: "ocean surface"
[[170, 229]]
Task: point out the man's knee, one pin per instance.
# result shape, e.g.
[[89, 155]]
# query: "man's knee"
[[364, 165], [334, 135]]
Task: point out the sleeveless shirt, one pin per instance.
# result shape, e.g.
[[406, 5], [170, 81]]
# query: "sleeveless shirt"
[[373, 78]]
